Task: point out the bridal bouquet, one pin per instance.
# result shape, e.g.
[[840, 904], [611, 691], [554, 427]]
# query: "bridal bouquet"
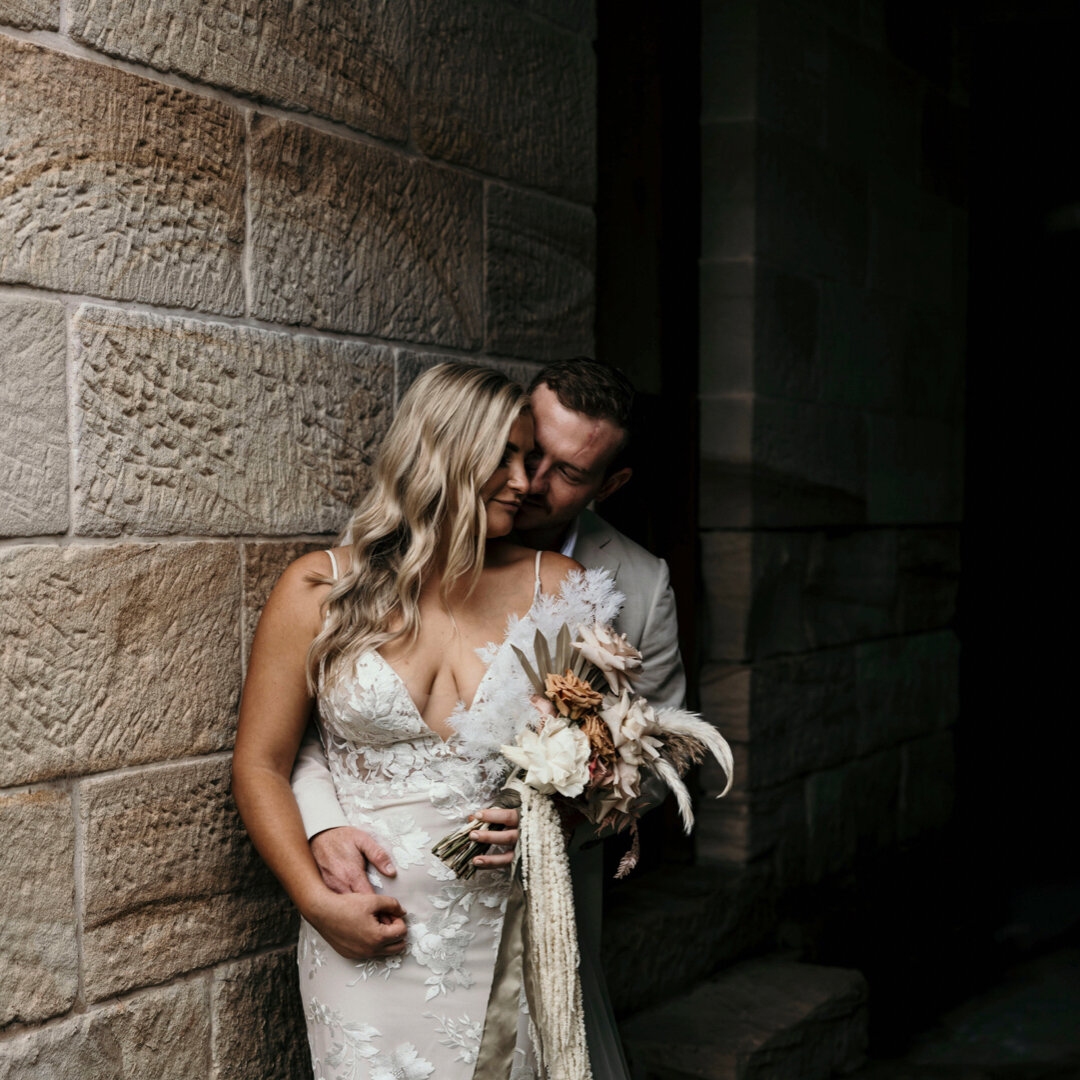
[[588, 747], [595, 742]]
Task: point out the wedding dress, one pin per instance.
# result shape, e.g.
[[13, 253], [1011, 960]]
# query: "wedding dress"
[[420, 1015]]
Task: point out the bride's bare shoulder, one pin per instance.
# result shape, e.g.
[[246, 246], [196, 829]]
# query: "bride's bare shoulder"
[[554, 569]]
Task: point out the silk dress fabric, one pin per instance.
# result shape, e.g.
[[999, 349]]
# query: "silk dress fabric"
[[419, 1016]]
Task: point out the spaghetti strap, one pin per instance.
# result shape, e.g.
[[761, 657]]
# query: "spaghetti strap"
[[536, 586], [333, 564]]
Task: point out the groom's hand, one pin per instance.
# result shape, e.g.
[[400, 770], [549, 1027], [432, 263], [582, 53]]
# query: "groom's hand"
[[342, 856]]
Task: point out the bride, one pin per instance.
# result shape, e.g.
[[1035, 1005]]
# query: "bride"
[[390, 639]]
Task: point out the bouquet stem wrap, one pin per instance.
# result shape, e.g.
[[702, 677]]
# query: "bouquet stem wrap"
[[538, 948]]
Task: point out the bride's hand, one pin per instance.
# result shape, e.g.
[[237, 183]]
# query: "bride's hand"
[[505, 837], [359, 926]]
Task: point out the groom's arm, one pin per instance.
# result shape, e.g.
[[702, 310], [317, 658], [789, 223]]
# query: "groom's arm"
[[313, 787], [663, 680]]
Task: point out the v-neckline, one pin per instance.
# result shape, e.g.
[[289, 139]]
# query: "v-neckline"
[[479, 686]]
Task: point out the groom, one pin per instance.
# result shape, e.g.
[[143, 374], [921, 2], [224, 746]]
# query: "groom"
[[581, 411]]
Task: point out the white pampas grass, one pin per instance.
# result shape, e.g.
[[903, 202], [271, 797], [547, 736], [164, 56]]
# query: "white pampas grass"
[[688, 723]]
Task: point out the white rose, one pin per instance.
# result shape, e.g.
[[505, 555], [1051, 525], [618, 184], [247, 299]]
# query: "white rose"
[[555, 759], [611, 653]]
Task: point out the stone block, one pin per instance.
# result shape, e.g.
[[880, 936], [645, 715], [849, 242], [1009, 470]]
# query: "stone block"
[[164, 1034], [928, 786], [747, 825], [929, 578], [729, 195], [862, 348], [172, 882], [821, 589], [851, 809], [507, 94], [726, 480], [258, 1020], [911, 245], [803, 716], [353, 237], [31, 14], [576, 15], [540, 262], [811, 210], [722, 913], [764, 1018], [194, 427], [786, 319], [345, 61], [915, 470], [727, 571], [264, 562], [930, 380], [907, 686], [729, 60], [116, 656], [809, 464], [727, 321], [873, 109], [33, 418], [792, 64], [724, 691], [118, 186], [39, 960]]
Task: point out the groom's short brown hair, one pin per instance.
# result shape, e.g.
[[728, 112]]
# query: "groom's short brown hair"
[[595, 389]]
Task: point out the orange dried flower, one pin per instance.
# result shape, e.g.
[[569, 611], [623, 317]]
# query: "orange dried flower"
[[572, 696]]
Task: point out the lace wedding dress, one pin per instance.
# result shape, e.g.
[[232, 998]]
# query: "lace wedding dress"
[[420, 1015]]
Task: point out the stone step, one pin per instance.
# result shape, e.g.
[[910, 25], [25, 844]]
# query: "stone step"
[[667, 930], [764, 1019]]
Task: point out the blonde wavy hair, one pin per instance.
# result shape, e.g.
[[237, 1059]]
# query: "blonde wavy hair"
[[447, 439]]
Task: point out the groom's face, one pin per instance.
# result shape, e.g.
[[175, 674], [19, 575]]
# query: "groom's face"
[[569, 465]]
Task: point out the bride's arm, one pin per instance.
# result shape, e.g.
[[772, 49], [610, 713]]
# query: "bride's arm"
[[273, 714]]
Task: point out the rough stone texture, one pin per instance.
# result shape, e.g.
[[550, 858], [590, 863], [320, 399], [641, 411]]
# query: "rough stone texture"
[[722, 913], [810, 464], [727, 322], [729, 188], [118, 186], [264, 563], [259, 1031], [348, 236], [172, 882], [506, 94], [854, 806], [33, 419], [915, 470], [31, 14], [540, 254], [39, 963], [813, 214], [762, 1019], [116, 655], [193, 427], [343, 60], [164, 1034], [771, 593], [907, 686]]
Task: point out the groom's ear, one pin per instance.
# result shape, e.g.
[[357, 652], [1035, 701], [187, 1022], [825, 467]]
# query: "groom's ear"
[[612, 484]]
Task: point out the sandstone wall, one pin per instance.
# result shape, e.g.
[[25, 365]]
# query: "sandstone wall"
[[229, 236], [831, 379]]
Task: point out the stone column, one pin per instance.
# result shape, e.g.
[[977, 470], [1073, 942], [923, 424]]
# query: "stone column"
[[832, 357]]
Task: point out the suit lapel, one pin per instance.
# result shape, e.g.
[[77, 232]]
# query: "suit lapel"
[[593, 548]]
